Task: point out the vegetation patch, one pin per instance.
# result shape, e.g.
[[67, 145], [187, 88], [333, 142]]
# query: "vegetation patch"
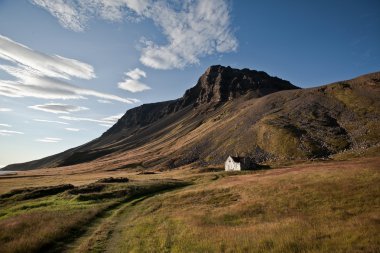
[[212, 197], [90, 188], [133, 190], [36, 231], [53, 220], [36, 192], [113, 180], [324, 207], [334, 209], [210, 169], [146, 173]]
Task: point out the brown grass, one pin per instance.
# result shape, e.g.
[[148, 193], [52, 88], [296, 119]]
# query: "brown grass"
[[311, 207], [329, 207], [36, 231]]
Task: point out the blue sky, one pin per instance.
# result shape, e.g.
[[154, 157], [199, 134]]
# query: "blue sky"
[[69, 69]]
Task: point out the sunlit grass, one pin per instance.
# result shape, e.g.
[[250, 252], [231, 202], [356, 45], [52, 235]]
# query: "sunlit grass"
[[35, 231], [323, 207], [309, 211], [48, 222]]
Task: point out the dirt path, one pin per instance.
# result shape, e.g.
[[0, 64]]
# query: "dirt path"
[[97, 234], [100, 231]]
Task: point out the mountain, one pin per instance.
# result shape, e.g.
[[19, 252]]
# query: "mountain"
[[232, 111]]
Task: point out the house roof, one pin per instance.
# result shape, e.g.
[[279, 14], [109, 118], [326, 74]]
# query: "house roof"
[[236, 159]]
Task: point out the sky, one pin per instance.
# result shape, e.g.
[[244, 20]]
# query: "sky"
[[70, 68]]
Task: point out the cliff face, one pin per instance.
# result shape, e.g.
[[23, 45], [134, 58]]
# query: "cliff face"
[[232, 111], [216, 86], [220, 84]]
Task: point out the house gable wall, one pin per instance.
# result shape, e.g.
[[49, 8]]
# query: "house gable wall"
[[231, 165]]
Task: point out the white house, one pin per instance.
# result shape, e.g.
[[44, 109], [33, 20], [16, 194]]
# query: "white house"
[[232, 164], [235, 163]]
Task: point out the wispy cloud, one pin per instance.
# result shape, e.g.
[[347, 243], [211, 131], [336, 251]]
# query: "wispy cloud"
[[107, 120], [47, 65], [74, 14], [51, 121], [132, 83], [49, 140], [193, 29], [6, 132], [196, 29], [66, 12], [81, 119], [113, 118], [72, 129], [9, 132], [5, 110], [42, 76], [30, 84], [106, 125], [102, 101], [58, 108]]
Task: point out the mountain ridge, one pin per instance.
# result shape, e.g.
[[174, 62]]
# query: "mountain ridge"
[[234, 111], [217, 85]]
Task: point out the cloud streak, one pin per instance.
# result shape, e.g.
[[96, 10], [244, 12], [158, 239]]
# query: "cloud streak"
[[5, 132], [109, 121], [5, 109], [49, 140], [193, 29], [72, 129], [102, 101], [53, 66], [9, 132], [58, 108], [42, 76], [51, 121]]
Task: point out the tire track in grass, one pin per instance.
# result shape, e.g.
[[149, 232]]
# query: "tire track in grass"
[[94, 238]]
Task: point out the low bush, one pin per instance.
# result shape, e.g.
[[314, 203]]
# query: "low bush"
[[113, 180], [91, 188], [36, 192]]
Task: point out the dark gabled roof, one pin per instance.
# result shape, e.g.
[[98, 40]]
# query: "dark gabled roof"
[[236, 159], [244, 160]]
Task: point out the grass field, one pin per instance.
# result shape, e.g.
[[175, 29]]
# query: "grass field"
[[315, 207]]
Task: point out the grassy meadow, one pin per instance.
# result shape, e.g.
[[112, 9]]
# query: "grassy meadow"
[[312, 207], [31, 221]]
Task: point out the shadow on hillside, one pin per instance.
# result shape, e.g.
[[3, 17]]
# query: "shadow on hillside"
[[221, 168], [259, 167]]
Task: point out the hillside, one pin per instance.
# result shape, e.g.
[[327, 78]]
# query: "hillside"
[[231, 111]]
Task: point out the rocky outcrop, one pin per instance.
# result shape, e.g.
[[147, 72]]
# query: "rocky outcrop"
[[217, 85], [220, 84]]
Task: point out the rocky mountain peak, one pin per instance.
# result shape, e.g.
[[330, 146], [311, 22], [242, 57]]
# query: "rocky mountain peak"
[[217, 85], [220, 84]]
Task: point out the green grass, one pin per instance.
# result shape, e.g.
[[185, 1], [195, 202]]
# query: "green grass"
[[50, 222], [34, 231], [316, 211], [362, 106], [324, 207], [351, 154]]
